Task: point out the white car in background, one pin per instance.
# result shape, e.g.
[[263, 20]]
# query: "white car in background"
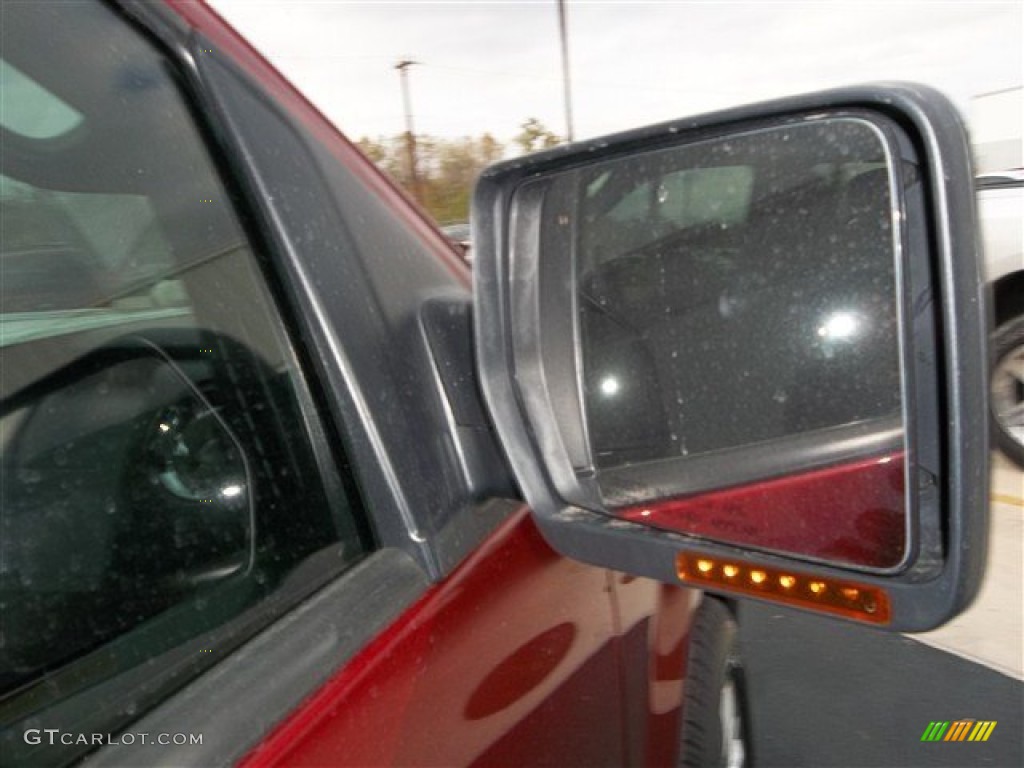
[[1001, 212]]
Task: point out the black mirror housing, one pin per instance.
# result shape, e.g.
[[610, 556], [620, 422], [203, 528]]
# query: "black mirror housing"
[[747, 351]]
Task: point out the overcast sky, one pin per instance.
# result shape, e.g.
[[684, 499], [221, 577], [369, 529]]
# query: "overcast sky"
[[487, 66]]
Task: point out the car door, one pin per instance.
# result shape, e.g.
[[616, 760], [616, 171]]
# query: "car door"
[[252, 507]]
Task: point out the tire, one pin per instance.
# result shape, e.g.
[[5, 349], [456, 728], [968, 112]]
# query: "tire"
[[1006, 389], [716, 720]]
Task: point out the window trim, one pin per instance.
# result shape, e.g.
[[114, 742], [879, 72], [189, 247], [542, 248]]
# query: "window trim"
[[289, 658]]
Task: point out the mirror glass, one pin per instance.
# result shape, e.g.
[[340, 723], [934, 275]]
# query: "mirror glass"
[[738, 327]]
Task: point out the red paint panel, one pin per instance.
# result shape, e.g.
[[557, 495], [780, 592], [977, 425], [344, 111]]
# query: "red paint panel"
[[851, 514], [512, 660], [201, 17]]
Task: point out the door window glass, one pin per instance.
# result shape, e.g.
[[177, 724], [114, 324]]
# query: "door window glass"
[[159, 480]]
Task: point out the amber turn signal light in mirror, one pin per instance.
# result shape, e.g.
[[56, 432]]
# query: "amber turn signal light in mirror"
[[844, 598]]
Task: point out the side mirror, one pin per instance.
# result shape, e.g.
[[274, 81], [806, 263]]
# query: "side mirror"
[[185, 493], [747, 352]]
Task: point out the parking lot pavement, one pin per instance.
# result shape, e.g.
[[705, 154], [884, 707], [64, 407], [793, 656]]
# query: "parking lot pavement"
[[825, 693], [828, 694], [991, 631]]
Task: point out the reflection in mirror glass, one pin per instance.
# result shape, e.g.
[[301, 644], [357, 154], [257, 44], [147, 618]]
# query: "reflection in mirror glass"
[[742, 292], [125, 494]]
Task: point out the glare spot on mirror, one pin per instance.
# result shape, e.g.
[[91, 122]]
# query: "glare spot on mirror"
[[840, 326], [610, 386], [231, 491]]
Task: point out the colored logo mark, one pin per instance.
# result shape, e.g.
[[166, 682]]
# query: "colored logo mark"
[[959, 730]]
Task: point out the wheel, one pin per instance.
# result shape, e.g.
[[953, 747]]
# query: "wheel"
[[1007, 388], [716, 722]]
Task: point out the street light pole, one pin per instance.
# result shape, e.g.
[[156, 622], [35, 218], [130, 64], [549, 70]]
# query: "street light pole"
[[410, 135], [566, 86]]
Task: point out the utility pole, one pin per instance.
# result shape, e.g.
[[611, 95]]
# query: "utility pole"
[[410, 135], [566, 86]]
